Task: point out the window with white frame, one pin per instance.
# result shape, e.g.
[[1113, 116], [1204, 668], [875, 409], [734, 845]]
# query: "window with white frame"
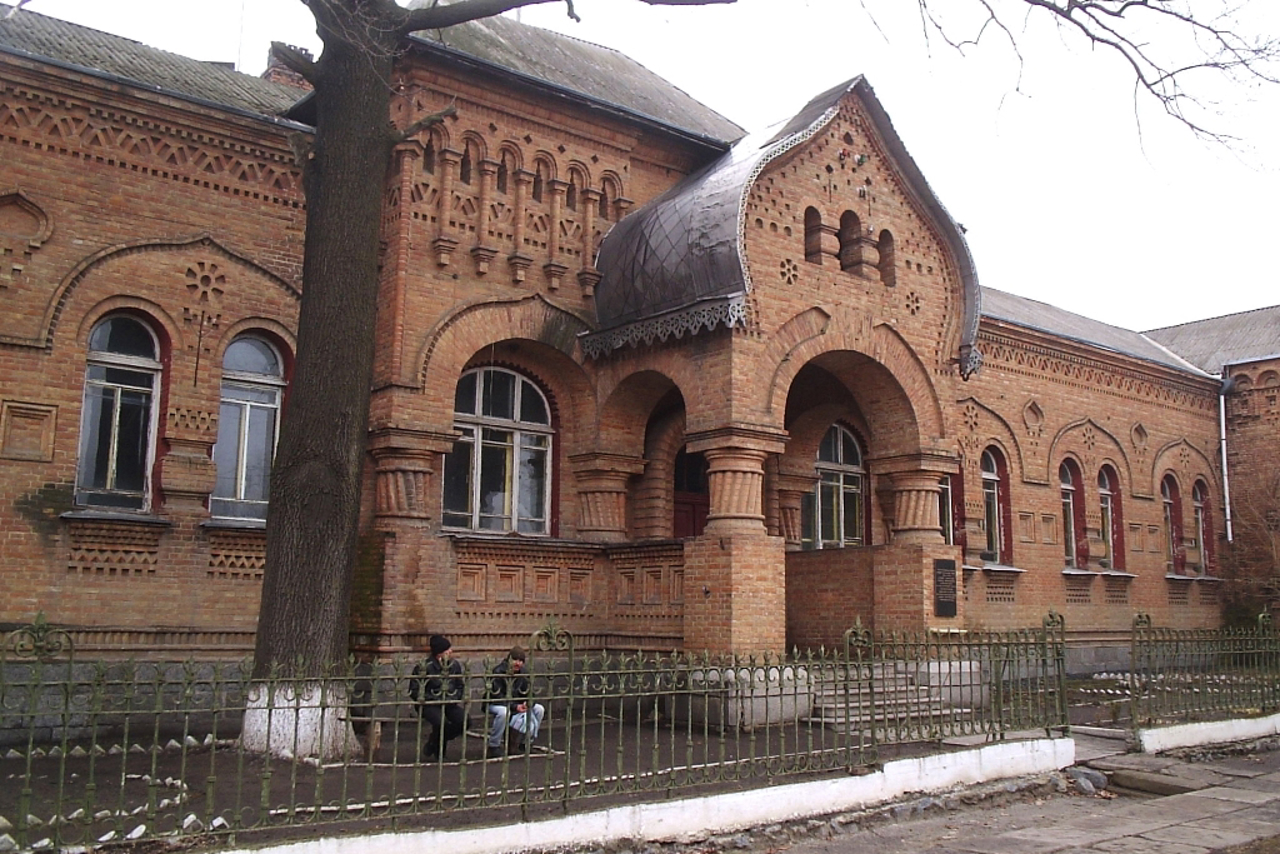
[[1112, 523], [118, 426], [1199, 499], [498, 475], [1074, 545], [248, 425], [995, 497], [946, 515], [834, 515], [1174, 554]]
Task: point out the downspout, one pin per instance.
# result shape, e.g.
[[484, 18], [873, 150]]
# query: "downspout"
[[1222, 444]]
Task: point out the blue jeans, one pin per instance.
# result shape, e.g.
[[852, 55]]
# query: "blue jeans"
[[527, 723]]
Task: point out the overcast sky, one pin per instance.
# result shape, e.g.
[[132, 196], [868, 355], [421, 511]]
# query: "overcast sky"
[[1072, 191]]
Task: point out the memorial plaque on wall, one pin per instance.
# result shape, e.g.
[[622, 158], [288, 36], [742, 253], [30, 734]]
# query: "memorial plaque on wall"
[[944, 588]]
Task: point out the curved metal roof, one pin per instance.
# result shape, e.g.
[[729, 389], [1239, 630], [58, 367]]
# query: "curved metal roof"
[[677, 264]]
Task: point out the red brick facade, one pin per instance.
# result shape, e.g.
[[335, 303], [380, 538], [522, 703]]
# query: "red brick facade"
[[116, 201]]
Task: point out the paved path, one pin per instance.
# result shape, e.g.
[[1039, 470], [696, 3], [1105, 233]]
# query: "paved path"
[[1221, 803]]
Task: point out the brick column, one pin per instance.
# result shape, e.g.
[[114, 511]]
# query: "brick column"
[[906, 568], [735, 572], [483, 253], [602, 494], [791, 492], [518, 261], [915, 507], [445, 243]]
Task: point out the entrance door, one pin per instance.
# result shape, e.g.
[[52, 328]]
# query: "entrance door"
[[691, 498]]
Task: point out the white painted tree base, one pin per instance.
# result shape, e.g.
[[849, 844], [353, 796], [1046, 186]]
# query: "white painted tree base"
[[307, 720]]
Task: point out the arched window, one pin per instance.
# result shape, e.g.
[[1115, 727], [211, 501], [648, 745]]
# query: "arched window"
[[812, 235], [429, 158], [835, 514], [888, 264], [465, 167], [498, 475], [1075, 541], [1112, 519], [539, 181], [1175, 555], [118, 427], [997, 546], [850, 252], [1201, 549], [608, 197], [248, 425], [571, 193], [503, 179]]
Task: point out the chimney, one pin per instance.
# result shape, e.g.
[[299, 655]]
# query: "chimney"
[[278, 72]]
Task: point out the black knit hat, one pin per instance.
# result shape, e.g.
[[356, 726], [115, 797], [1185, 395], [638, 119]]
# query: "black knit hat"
[[439, 644]]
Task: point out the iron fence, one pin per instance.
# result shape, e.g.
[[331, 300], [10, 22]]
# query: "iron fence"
[[95, 752], [1185, 675]]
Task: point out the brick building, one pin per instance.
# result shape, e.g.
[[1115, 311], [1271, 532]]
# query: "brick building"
[[660, 381]]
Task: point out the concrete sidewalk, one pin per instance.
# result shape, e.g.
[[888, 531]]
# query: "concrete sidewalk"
[[1220, 803]]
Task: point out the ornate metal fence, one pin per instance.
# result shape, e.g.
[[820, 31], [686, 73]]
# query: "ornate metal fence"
[[1183, 675], [98, 752]]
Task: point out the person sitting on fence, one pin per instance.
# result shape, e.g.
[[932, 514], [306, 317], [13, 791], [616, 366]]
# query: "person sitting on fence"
[[510, 706], [438, 687]]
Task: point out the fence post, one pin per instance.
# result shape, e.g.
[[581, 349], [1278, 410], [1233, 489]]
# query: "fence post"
[[1140, 650], [1054, 631]]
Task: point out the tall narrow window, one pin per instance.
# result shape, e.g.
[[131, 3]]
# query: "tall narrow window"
[[1199, 520], [539, 181], [571, 194], [465, 167], [995, 508], [888, 264], [117, 430], [1075, 543], [503, 178], [498, 475], [1112, 520], [1174, 555], [248, 419], [608, 196], [946, 516], [812, 235], [850, 251], [837, 507]]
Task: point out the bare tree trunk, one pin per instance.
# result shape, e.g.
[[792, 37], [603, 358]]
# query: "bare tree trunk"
[[313, 514]]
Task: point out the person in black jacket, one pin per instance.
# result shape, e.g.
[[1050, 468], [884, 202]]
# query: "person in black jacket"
[[509, 704], [438, 687]]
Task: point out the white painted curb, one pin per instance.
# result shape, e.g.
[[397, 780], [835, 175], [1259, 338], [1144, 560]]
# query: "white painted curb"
[[696, 817], [1161, 739]]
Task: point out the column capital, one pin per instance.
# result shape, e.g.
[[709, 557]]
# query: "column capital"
[[767, 440]]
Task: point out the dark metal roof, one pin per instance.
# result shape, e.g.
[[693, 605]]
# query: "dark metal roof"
[[677, 265], [598, 73], [39, 36], [1043, 317], [1226, 340]]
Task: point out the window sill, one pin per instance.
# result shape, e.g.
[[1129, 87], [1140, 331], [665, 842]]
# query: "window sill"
[[997, 567], [235, 524], [1116, 573], [1175, 577], [1072, 571], [138, 518]]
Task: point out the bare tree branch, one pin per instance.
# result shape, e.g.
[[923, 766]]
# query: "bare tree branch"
[[426, 122], [1186, 42]]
